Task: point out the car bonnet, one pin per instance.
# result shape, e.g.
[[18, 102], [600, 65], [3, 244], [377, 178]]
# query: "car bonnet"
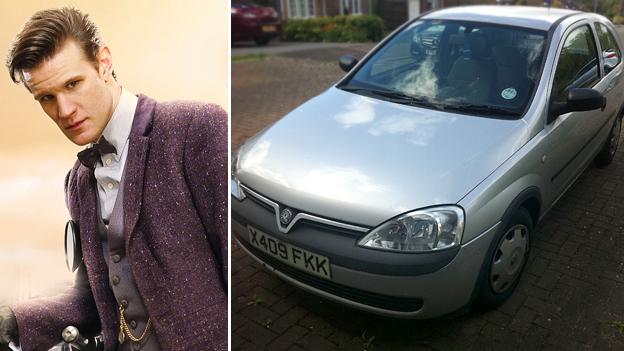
[[362, 160]]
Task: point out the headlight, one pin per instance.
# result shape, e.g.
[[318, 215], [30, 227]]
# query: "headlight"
[[235, 188], [234, 165], [431, 229]]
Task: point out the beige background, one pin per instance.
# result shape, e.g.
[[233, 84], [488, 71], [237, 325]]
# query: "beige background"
[[164, 49]]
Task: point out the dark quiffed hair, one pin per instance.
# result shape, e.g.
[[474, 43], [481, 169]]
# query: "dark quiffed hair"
[[45, 32]]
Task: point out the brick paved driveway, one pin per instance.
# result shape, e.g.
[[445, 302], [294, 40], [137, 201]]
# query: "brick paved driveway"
[[571, 296]]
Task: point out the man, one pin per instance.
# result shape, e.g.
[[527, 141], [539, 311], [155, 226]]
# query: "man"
[[149, 195]]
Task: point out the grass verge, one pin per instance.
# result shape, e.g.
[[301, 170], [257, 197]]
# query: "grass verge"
[[251, 57]]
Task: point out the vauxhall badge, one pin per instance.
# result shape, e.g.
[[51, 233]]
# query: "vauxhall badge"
[[286, 216]]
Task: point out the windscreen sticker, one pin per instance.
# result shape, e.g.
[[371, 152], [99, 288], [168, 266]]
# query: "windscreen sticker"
[[509, 93]]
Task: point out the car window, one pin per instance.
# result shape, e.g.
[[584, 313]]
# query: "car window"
[[611, 53], [458, 65], [578, 63]]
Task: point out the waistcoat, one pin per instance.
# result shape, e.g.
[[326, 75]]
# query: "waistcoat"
[[122, 280]]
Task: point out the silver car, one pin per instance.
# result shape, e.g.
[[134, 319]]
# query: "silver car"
[[412, 187]]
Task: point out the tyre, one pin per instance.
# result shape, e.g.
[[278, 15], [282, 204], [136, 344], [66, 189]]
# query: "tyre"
[[605, 156], [506, 260], [262, 41]]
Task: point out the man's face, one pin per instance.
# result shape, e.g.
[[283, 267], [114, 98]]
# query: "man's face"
[[73, 92]]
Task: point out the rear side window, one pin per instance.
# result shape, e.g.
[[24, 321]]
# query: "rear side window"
[[611, 53], [578, 63]]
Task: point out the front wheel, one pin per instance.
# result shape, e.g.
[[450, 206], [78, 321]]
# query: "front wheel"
[[506, 260], [260, 41], [605, 156]]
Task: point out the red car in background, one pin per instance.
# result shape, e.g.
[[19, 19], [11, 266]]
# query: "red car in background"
[[253, 22]]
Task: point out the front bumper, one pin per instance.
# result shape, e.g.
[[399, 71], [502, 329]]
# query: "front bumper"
[[254, 29], [391, 284]]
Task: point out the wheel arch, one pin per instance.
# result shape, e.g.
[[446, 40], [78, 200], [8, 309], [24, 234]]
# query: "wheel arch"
[[530, 198]]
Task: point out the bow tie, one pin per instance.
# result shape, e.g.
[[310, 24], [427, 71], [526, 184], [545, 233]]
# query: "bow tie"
[[90, 156]]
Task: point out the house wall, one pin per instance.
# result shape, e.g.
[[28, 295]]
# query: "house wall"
[[284, 9], [318, 8], [366, 7], [333, 7], [393, 12], [449, 3], [325, 8], [396, 12]]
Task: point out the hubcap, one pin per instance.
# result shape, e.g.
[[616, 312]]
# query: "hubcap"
[[615, 137], [509, 258]]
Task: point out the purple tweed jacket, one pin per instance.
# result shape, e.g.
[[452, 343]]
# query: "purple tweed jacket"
[[175, 219]]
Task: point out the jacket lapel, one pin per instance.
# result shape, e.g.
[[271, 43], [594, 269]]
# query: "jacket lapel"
[[133, 183], [135, 164]]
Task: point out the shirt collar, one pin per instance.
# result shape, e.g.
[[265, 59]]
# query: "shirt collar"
[[119, 126]]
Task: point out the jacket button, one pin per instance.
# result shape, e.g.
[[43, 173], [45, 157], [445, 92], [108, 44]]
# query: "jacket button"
[[124, 303], [116, 279], [133, 324], [116, 258]]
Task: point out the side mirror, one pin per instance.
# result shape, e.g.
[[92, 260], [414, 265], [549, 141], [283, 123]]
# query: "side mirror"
[[347, 62], [579, 99]]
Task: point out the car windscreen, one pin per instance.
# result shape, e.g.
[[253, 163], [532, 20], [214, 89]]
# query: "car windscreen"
[[467, 67], [243, 4]]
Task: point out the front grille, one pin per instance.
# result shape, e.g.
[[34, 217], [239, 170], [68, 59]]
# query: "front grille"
[[392, 303], [260, 203], [327, 227], [268, 20]]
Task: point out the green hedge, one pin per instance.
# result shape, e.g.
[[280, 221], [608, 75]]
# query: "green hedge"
[[618, 20], [351, 28]]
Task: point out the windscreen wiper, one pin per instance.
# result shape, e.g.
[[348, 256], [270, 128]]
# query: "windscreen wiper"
[[394, 96], [481, 109]]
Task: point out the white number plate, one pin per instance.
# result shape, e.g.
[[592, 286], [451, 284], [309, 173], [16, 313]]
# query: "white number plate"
[[292, 255], [269, 29]]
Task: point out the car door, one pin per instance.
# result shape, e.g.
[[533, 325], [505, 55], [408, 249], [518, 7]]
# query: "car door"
[[570, 134]]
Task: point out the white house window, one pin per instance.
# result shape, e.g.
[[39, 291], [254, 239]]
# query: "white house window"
[[300, 8], [352, 7]]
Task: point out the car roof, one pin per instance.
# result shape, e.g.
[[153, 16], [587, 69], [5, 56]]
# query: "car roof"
[[522, 16]]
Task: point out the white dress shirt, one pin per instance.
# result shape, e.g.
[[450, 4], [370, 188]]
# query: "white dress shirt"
[[108, 173]]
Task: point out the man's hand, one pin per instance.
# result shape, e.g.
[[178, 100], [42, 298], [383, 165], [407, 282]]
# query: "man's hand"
[[8, 328]]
